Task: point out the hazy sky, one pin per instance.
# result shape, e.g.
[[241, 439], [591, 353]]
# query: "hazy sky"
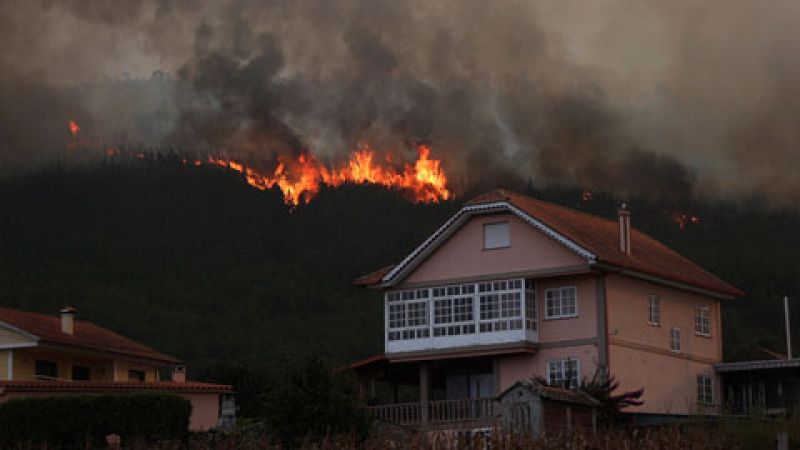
[[696, 98]]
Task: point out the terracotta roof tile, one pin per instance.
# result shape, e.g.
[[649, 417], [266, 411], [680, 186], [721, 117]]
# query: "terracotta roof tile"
[[600, 236], [86, 335], [112, 386]]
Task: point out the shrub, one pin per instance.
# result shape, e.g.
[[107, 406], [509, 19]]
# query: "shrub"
[[81, 421]]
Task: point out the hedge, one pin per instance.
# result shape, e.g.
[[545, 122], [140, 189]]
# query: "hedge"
[[81, 421]]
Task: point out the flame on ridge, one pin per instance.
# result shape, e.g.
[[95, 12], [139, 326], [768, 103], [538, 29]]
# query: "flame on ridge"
[[300, 178]]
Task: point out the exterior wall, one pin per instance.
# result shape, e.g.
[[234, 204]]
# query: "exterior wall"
[[670, 382], [4, 354], [100, 369], [513, 368], [122, 368], [205, 406], [640, 355], [581, 327], [463, 255], [205, 410]]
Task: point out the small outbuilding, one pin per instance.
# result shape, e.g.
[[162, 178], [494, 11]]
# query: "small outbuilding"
[[530, 407]]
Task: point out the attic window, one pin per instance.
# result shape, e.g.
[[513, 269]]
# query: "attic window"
[[496, 235]]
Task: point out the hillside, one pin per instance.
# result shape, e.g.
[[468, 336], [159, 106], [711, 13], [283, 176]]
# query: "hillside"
[[203, 267]]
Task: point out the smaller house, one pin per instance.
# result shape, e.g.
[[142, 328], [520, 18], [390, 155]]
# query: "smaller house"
[[766, 387], [42, 355], [529, 407]]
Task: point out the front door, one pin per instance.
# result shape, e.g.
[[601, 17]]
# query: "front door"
[[481, 386]]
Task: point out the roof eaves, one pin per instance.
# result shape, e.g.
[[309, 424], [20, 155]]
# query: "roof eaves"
[[19, 330], [686, 286]]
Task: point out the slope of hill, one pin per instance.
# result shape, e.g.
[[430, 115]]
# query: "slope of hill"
[[199, 265]]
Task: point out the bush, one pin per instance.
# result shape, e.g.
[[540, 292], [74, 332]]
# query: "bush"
[[80, 421], [311, 399]]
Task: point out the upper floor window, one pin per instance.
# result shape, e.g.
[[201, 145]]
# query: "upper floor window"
[[135, 375], [561, 302], [705, 390], [675, 340], [45, 369], [702, 320], [565, 372], [407, 312], [496, 235], [80, 373], [653, 309]]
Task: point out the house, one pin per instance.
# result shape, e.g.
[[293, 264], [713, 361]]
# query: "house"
[[43, 355], [511, 286], [529, 407]]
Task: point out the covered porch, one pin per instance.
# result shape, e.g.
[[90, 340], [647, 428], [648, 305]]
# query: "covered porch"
[[447, 392]]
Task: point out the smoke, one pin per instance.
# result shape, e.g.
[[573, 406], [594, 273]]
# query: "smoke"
[[642, 99]]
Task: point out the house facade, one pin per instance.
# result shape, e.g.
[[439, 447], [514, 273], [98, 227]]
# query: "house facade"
[[42, 355], [512, 287]]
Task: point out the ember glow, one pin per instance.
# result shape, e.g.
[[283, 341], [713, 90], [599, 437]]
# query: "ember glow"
[[300, 177], [74, 129], [684, 220]]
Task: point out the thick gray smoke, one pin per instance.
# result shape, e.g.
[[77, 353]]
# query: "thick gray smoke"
[[664, 100]]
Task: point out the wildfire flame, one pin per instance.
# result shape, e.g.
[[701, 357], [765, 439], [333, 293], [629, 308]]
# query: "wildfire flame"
[[300, 178], [683, 220], [74, 128]]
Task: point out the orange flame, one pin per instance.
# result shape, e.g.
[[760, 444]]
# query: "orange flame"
[[74, 128], [300, 178], [683, 220]]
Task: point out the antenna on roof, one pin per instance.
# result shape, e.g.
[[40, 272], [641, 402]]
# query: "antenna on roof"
[[788, 328]]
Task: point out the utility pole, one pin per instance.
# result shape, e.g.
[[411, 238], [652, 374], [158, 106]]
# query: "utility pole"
[[788, 329]]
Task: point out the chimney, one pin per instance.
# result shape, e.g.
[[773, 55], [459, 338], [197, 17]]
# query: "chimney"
[[624, 229], [68, 320], [179, 373]]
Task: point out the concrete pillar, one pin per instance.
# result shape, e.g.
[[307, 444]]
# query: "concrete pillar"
[[424, 389]]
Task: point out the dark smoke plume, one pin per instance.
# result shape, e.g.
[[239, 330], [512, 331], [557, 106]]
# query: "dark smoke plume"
[[641, 99]]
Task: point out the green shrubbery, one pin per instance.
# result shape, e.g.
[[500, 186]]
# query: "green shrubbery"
[[88, 419]]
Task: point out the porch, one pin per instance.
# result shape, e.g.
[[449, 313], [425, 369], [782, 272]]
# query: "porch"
[[446, 393]]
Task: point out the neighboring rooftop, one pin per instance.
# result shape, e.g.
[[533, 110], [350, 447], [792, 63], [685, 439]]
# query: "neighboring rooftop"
[[47, 329], [600, 236]]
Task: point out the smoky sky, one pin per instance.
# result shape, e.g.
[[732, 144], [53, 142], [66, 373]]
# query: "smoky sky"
[[671, 100]]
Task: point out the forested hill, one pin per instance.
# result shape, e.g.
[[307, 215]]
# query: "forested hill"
[[201, 266]]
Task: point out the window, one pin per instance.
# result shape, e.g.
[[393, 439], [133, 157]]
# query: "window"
[[135, 375], [561, 302], [530, 305], [407, 313], [500, 305], [397, 315], [496, 235], [565, 372], [705, 390], [453, 310], [675, 340], [417, 314], [702, 320], [46, 369], [653, 310], [80, 373]]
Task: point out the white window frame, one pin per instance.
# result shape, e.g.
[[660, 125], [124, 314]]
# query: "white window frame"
[[560, 314], [705, 389], [702, 320], [500, 237], [561, 366], [654, 310], [675, 344]]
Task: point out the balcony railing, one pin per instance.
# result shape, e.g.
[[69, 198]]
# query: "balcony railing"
[[440, 411]]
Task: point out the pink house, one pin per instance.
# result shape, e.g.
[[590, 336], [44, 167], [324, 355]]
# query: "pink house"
[[511, 287]]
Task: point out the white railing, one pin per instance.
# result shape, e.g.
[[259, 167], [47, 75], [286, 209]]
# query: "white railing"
[[438, 411], [398, 413]]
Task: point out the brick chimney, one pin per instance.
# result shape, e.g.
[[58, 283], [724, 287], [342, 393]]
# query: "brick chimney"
[[624, 229], [179, 373], [68, 320]]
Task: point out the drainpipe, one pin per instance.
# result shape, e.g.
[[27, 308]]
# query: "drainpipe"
[[788, 328]]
